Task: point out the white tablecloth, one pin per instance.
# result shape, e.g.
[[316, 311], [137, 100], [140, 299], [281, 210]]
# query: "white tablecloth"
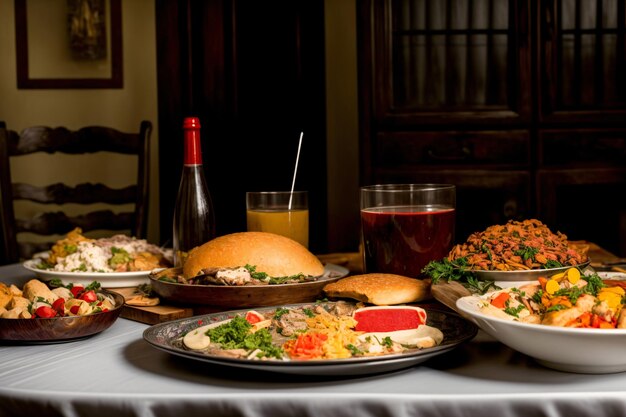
[[116, 373]]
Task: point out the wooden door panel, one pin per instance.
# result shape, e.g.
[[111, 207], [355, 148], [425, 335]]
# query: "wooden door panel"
[[438, 63], [582, 61]]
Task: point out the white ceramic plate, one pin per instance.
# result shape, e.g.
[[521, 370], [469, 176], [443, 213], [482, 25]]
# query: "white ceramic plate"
[[106, 279], [456, 330], [589, 351], [524, 275]]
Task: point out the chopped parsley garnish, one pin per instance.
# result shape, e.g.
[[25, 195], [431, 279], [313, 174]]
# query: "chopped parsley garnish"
[[236, 335], [527, 252], [513, 311], [262, 276]]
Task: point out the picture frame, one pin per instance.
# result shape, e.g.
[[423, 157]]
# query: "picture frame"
[[50, 53]]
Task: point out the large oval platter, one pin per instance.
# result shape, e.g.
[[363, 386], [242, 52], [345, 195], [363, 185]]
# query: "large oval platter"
[[233, 296], [456, 330]]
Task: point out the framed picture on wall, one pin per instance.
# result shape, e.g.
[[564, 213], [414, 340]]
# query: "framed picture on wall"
[[68, 44]]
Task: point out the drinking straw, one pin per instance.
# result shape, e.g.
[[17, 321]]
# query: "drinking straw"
[[295, 170]]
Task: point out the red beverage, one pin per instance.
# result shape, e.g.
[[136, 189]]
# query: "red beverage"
[[403, 239]]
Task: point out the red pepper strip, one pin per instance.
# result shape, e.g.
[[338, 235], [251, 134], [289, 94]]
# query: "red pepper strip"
[[500, 300]]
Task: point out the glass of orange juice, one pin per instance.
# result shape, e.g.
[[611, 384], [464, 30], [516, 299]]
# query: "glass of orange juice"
[[285, 213]]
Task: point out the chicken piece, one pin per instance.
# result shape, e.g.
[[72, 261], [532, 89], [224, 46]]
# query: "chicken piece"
[[531, 319], [562, 317], [35, 288], [16, 313], [585, 303], [15, 290], [5, 295], [18, 302], [63, 292]]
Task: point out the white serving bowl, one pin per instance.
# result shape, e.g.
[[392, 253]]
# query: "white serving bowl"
[[589, 351]]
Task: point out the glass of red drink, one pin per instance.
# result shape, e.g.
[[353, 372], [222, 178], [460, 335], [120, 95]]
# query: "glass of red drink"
[[405, 226]]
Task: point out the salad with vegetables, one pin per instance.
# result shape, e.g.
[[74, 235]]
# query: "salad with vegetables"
[[38, 300], [567, 299]]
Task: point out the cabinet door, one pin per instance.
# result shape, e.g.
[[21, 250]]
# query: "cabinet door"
[[581, 185], [442, 62], [583, 53]]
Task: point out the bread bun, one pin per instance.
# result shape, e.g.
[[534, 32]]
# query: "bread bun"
[[380, 289], [276, 255]]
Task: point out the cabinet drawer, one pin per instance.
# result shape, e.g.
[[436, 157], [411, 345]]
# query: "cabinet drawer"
[[501, 148], [586, 146]]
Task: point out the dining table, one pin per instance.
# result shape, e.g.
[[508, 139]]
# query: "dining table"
[[118, 373]]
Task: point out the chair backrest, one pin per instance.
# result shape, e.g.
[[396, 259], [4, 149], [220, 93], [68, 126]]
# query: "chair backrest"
[[51, 224]]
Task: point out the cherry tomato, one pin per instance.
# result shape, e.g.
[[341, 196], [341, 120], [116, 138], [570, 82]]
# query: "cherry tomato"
[[77, 290], [45, 312], [89, 296], [59, 306]]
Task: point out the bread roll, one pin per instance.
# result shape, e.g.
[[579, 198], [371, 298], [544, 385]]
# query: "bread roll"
[[276, 255], [35, 288], [380, 289]]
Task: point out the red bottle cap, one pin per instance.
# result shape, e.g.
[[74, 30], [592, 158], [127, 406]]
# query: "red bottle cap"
[[191, 134], [191, 123]]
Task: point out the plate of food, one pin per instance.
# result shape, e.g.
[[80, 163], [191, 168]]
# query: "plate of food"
[[115, 262], [246, 269], [322, 338], [516, 251], [40, 314], [570, 322]]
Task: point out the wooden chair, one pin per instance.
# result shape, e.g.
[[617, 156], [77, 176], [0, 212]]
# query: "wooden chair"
[[51, 225]]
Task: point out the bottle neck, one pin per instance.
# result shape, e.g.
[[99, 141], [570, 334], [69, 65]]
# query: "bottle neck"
[[193, 149]]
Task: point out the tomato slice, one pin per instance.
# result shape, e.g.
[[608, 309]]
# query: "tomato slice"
[[45, 312], [89, 296], [253, 317], [59, 306], [77, 290]]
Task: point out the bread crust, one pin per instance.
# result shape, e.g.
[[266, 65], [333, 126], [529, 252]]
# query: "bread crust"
[[380, 289], [276, 255]]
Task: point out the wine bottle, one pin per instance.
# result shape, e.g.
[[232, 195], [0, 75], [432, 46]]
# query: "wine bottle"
[[194, 218]]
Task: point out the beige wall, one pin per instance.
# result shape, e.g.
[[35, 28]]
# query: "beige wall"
[[119, 108]]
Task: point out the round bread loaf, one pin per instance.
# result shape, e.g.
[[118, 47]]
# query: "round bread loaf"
[[276, 255], [380, 289]]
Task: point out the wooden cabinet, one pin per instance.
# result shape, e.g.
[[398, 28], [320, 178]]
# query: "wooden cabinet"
[[254, 74], [521, 104]]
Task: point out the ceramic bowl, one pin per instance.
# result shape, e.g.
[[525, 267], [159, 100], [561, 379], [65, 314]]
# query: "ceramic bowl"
[[589, 351]]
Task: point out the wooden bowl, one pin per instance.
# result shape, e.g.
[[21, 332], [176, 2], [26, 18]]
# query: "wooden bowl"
[[60, 329], [246, 295]]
